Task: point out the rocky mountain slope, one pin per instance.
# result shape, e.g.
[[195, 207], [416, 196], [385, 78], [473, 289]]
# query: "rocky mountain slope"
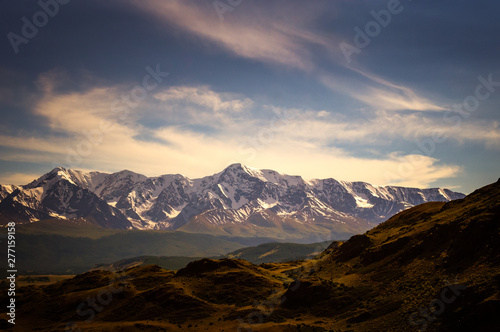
[[237, 201]]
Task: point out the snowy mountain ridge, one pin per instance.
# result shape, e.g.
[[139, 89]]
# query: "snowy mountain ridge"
[[239, 199]]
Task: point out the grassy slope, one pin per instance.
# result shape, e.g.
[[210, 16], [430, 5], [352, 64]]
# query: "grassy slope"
[[205, 294], [405, 263]]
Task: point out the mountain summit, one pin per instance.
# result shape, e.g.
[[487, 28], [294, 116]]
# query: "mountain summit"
[[239, 201]]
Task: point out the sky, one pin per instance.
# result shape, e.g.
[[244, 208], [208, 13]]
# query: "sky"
[[388, 92]]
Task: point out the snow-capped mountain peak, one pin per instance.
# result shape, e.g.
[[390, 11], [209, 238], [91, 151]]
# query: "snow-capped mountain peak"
[[239, 195]]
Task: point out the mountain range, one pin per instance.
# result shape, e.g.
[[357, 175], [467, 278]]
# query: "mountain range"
[[239, 201]]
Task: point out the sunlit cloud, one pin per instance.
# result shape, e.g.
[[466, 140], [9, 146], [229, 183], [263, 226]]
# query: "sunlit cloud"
[[18, 178], [382, 127], [203, 96], [199, 105], [292, 141], [32, 143]]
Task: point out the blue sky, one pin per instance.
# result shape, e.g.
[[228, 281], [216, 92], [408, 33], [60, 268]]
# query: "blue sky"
[[387, 92]]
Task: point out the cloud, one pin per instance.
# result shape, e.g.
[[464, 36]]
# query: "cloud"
[[261, 38], [17, 178], [87, 131], [383, 127], [379, 93], [289, 140], [282, 41], [33, 143], [395, 170], [199, 106], [203, 96]]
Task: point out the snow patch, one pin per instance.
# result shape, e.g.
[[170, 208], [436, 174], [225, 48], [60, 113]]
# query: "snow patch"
[[268, 203], [363, 203], [444, 194]]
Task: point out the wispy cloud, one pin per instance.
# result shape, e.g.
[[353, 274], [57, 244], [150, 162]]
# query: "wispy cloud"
[[382, 127], [261, 39], [270, 39], [379, 93]]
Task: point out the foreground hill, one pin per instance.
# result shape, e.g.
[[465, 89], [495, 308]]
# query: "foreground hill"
[[238, 201], [434, 267]]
